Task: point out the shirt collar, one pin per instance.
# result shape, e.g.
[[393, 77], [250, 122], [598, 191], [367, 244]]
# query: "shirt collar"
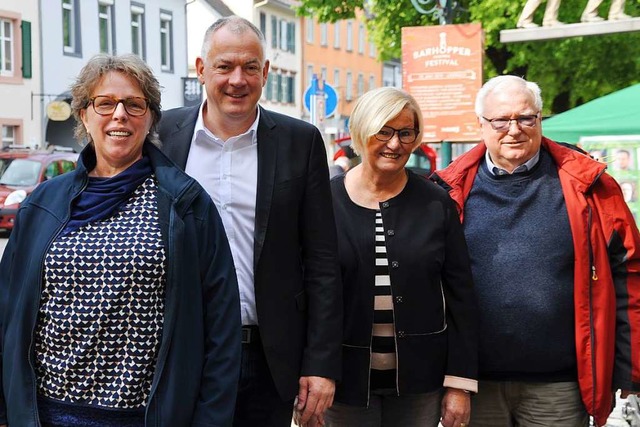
[[526, 166], [200, 127]]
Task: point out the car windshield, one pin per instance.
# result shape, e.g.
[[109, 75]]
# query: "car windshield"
[[21, 172]]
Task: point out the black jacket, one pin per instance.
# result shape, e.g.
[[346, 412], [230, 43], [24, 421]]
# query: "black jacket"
[[435, 308], [298, 295]]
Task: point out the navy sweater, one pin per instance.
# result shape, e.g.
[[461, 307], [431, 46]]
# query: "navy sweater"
[[521, 249]]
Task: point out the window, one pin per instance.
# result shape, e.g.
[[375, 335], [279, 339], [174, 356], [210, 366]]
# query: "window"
[[291, 82], [263, 23], [284, 81], [310, 73], [291, 37], [105, 25], [336, 35], [269, 88], [324, 36], [360, 84], [274, 32], [391, 74], [7, 48], [9, 134], [70, 31], [308, 22], [279, 88], [323, 73], [348, 92], [336, 78], [372, 82], [283, 35], [349, 36], [361, 38], [274, 87], [137, 31], [287, 36], [372, 49], [67, 166], [166, 41]]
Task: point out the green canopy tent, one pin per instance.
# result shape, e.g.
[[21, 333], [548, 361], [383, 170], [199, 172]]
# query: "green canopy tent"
[[615, 114]]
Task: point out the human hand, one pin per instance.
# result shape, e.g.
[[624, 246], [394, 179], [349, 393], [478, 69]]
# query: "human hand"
[[315, 395], [313, 422], [455, 408]]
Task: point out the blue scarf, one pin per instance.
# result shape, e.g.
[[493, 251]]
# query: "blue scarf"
[[104, 196]]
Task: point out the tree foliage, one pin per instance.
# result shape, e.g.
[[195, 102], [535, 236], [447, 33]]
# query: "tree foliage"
[[570, 71]]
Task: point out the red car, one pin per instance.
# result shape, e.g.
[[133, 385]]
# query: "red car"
[[22, 170]]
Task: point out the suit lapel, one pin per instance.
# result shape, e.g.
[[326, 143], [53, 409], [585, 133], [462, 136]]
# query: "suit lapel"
[[267, 160], [177, 141]]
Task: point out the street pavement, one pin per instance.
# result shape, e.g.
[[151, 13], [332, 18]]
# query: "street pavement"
[[615, 420]]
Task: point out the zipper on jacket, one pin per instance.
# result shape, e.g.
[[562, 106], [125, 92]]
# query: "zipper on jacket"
[[594, 277], [162, 351], [31, 352]]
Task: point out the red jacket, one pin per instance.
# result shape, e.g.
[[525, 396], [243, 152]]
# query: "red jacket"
[[606, 270]]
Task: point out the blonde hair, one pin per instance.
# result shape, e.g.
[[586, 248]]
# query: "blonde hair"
[[375, 109]]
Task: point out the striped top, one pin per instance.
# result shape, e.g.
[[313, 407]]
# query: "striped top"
[[383, 347]]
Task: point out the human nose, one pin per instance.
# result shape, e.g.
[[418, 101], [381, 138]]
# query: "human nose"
[[119, 110], [395, 139], [236, 76], [514, 124]]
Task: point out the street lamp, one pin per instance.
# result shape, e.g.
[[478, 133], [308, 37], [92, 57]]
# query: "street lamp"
[[441, 9]]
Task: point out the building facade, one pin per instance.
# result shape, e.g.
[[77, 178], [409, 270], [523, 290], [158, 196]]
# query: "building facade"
[[342, 55], [19, 74], [73, 31]]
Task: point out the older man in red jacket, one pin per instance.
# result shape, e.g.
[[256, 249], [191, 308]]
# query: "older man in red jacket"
[[555, 258]]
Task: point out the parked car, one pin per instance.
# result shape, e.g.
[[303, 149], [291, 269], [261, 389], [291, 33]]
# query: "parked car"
[[21, 170]]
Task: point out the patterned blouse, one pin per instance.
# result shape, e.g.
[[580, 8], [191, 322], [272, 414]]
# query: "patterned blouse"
[[101, 312]]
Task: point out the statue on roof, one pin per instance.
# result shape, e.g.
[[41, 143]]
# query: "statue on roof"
[[550, 18]]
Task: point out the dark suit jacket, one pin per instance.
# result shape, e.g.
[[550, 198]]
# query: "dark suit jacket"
[[298, 295]]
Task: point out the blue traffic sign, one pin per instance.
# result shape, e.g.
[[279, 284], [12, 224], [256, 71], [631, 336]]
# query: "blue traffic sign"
[[330, 96]]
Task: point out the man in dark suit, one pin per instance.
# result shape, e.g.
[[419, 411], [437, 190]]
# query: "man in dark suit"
[[267, 174]]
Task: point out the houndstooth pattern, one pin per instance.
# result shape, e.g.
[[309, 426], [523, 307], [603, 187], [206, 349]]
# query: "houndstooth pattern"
[[101, 311]]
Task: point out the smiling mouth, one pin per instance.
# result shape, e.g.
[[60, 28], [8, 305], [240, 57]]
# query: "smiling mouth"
[[236, 96], [390, 155], [118, 133]]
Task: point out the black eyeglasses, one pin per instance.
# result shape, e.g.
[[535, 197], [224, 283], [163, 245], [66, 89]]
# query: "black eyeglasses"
[[406, 135], [106, 105], [503, 123]]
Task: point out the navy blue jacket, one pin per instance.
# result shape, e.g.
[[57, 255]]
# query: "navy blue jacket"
[[196, 375]]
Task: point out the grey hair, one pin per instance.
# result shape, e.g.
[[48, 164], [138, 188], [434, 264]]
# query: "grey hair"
[[237, 25], [508, 80]]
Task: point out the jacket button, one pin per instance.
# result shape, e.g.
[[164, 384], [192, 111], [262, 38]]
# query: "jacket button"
[[399, 298], [395, 264], [400, 334], [391, 232], [385, 204]]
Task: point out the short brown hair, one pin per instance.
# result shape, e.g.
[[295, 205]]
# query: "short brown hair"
[[128, 64]]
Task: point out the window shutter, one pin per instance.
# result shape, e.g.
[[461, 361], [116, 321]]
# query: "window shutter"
[[26, 49], [291, 34]]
